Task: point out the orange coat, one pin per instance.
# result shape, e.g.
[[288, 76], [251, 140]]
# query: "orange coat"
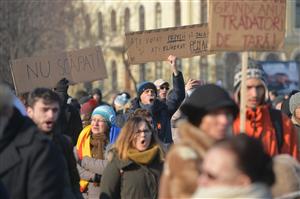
[[259, 125]]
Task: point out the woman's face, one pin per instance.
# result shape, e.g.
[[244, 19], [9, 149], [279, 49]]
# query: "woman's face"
[[98, 124], [219, 168], [142, 137]]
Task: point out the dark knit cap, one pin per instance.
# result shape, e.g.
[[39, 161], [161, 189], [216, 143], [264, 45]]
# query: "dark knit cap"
[[144, 86], [208, 98]]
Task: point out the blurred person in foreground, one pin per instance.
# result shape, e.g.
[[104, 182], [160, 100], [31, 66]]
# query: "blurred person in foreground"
[[30, 167], [210, 112], [237, 167], [137, 162], [43, 108]]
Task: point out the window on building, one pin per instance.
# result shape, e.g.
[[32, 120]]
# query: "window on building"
[[100, 26], [203, 11], [127, 20], [157, 15], [88, 25], [297, 14], [113, 21], [177, 13], [114, 78], [142, 17], [272, 57]]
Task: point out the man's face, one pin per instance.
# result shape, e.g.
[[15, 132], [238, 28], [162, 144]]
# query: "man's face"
[[216, 124], [163, 91], [44, 115], [255, 92], [148, 96]]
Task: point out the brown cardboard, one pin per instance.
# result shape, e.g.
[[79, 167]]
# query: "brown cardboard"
[[47, 69], [246, 25], [158, 44]]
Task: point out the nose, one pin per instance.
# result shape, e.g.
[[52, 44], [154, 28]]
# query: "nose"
[[224, 118], [51, 114], [254, 92]]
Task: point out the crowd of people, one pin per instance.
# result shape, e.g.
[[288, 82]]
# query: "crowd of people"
[[180, 142]]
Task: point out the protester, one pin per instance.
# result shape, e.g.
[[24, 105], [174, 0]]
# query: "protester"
[[121, 104], [273, 128], [295, 111], [237, 167], [163, 86], [277, 102], [210, 112], [91, 146], [161, 111], [43, 108], [30, 167], [287, 173], [285, 106], [86, 112], [69, 122], [135, 168], [272, 95], [97, 95]]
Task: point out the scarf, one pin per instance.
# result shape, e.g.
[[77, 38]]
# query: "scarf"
[[256, 190], [144, 157], [89, 145], [98, 143]]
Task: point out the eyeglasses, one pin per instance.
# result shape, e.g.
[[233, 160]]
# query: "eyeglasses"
[[164, 87], [97, 120], [143, 130]]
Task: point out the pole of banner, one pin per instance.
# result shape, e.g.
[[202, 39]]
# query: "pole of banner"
[[243, 96]]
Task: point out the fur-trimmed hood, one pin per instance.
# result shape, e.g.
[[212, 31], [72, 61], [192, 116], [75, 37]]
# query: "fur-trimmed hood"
[[194, 137]]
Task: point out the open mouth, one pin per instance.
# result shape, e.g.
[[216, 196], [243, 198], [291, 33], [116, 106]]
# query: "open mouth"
[[151, 100], [143, 142]]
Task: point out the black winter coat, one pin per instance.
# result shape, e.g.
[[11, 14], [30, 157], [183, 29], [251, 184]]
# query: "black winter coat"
[[30, 167]]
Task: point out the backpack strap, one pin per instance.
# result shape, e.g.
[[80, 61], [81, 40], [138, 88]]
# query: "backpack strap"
[[276, 118]]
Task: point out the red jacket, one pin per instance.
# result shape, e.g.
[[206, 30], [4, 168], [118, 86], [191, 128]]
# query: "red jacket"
[[259, 125]]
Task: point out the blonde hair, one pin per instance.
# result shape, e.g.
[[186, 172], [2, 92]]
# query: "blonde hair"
[[127, 135]]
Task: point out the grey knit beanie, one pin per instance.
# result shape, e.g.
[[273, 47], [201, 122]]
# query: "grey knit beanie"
[[294, 102], [254, 70]]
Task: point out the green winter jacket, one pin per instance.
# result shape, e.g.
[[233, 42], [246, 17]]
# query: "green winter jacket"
[[127, 179]]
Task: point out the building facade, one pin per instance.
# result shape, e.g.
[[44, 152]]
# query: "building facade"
[[109, 20]]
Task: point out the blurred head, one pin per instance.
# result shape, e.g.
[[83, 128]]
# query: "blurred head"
[[162, 87], [137, 134], [144, 114], [43, 108], [97, 95], [61, 88], [237, 161], [102, 118], [211, 109], [147, 93], [122, 101], [257, 91]]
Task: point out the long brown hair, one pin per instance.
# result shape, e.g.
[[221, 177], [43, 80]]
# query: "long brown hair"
[[127, 136]]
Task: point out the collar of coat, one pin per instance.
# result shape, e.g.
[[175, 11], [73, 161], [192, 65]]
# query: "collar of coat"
[[194, 137]]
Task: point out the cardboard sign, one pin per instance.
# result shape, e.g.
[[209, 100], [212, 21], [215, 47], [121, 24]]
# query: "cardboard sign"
[[46, 70], [245, 25], [157, 45]]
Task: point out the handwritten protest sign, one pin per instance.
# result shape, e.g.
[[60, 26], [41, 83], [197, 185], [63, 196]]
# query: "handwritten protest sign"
[[245, 25], [157, 45], [45, 70]]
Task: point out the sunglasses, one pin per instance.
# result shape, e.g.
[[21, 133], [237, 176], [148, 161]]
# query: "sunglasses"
[[164, 87]]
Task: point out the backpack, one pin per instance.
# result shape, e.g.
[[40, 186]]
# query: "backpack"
[[276, 119]]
